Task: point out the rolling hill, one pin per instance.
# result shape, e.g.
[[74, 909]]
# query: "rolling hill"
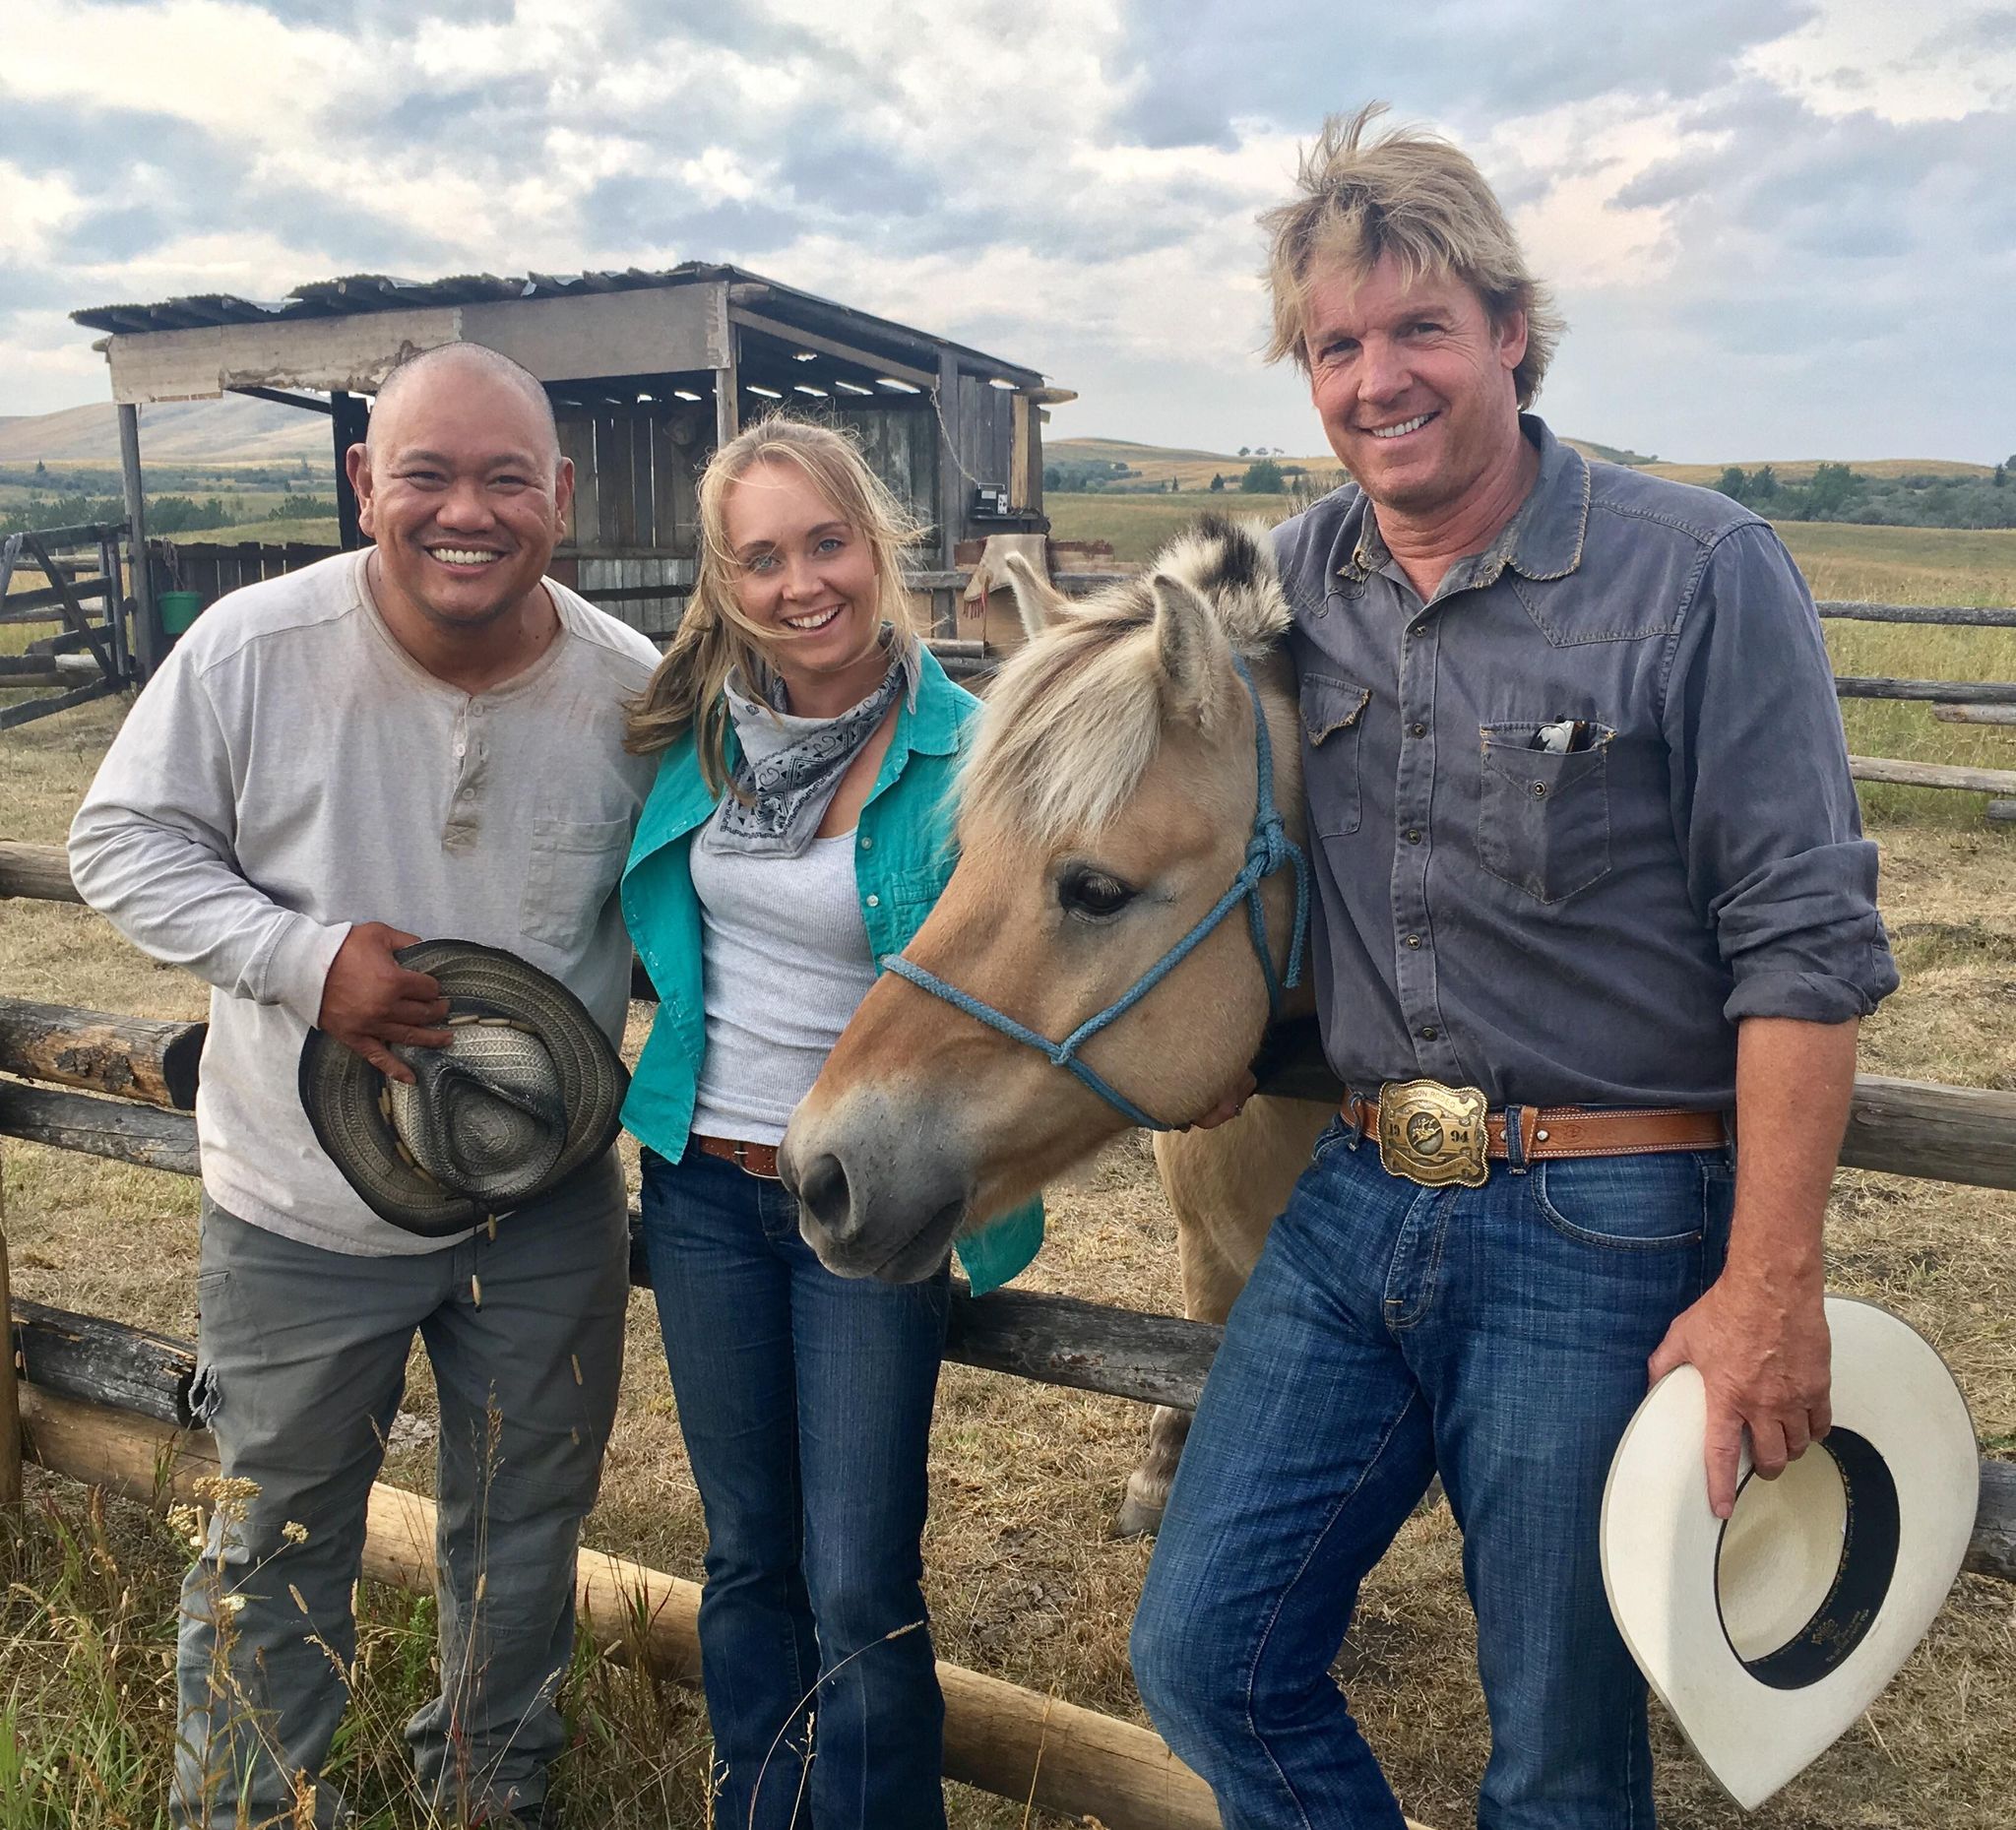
[[232, 430], [1193, 470]]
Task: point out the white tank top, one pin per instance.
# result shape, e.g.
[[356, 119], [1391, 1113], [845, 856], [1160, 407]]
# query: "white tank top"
[[785, 960]]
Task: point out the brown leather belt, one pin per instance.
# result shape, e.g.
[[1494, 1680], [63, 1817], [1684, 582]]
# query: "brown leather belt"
[[1432, 1134], [754, 1159]]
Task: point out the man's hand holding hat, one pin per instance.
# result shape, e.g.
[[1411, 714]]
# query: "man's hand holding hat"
[[369, 1000]]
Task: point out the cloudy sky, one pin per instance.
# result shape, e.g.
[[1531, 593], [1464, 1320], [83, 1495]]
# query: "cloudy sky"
[[1778, 228]]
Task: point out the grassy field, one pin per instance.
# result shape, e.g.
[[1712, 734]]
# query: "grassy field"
[[1023, 1580]]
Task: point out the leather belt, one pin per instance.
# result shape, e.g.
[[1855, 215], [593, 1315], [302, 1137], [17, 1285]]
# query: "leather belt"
[[1435, 1135], [752, 1158]]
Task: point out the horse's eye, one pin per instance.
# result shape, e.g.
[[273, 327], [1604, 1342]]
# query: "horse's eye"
[[1093, 893]]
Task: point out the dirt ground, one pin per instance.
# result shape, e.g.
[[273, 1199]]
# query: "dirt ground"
[[1024, 1580]]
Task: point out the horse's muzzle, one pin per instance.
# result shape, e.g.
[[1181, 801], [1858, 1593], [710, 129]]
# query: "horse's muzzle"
[[866, 1213]]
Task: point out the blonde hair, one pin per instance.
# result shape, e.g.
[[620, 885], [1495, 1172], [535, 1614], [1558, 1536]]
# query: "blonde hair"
[[1410, 194], [714, 637]]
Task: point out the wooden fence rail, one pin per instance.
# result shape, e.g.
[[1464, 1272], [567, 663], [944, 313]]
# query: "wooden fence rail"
[[1032, 1749], [1965, 616], [103, 1362]]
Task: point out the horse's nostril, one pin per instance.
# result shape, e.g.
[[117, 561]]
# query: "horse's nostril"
[[823, 1193]]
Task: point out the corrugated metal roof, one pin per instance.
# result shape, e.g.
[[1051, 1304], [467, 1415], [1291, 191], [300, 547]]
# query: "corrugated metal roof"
[[356, 294]]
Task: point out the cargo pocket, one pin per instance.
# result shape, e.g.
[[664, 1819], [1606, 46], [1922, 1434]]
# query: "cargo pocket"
[[1543, 819], [572, 871], [1332, 710], [206, 1394]]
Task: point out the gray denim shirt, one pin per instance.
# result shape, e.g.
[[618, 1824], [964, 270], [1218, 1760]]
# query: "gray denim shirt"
[[1582, 927]]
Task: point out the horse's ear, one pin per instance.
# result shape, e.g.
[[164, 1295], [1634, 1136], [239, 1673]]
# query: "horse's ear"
[[1040, 602], [1192, 646]]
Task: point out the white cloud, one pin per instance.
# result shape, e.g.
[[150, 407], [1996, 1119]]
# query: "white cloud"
[[998, 173]]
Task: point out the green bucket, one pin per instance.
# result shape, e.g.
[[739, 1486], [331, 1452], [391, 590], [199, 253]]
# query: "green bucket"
[[179, 608]]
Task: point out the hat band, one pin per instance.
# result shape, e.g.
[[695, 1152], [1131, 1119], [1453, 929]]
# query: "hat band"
[[1868, 1561]]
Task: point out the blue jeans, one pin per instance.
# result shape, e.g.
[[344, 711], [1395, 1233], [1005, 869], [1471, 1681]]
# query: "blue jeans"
[[1498, 1334], [805, 1402]]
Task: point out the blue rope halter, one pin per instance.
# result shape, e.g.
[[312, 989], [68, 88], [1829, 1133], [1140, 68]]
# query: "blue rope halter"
[[1267, 851]]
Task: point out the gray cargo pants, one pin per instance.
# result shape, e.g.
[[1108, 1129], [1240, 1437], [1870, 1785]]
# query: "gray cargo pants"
[[300, 1364]]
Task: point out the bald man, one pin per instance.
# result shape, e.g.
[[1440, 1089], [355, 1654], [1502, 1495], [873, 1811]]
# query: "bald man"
[[420, 739]]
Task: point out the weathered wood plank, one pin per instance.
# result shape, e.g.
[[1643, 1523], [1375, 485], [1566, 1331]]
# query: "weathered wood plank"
[[1942, 692], [91, 1358], [584, 516], [115, 1128], [1932, 775], [334, 354], [28, 709], [1857, 611], [1032, 1749], [1158, 1359], [105, 1363], [133, 1057], [615, 482], [826, 345], [2002, 811], [1947, 1134], [10, 1388], [667, 330], [1975, 714], [39, 872]]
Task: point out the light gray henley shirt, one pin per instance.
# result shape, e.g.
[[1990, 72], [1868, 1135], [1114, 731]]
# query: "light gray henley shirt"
[[290, 770]]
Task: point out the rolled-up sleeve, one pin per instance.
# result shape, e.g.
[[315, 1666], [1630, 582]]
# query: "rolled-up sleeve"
[[1764, 807]]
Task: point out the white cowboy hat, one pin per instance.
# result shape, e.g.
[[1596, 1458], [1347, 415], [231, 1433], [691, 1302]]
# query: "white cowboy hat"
[[528, 1092], [1767, 1635]]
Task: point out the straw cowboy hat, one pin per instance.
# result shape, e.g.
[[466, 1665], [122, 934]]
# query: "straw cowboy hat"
[[526, 1095], [1766, 1636]]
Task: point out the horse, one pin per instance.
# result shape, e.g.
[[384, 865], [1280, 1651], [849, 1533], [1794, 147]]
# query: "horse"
[[1135, 788]]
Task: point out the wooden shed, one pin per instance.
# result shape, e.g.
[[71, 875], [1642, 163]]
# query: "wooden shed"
[[649, 372]]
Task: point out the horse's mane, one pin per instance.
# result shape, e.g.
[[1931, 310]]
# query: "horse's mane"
[[1075, 717]]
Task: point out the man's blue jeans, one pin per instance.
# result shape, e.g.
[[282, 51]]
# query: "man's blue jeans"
[[805, 1402], [1498, 1335]]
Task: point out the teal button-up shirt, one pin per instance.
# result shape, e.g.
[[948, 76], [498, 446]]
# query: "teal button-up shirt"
[[903, 855]]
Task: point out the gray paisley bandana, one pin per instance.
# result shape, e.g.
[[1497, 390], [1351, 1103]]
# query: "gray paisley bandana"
[[791, 767]]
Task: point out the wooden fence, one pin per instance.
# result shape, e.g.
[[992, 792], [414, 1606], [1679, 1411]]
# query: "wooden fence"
[[1941, 1133], [90, 657], [1955, 702]]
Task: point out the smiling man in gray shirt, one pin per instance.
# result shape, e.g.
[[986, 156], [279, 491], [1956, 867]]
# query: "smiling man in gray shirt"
[[1592, 897], [419, 741]]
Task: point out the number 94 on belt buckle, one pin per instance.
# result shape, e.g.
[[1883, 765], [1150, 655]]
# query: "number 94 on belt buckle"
[[1432, 1134]]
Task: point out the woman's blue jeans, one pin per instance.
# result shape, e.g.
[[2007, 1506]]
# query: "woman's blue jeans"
[[805, 1402], [1498, 1335]]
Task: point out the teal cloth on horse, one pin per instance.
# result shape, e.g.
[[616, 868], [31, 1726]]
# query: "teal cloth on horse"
[[904, 855]]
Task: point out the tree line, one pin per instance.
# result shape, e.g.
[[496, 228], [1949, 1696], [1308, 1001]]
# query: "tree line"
[[1839, 492]]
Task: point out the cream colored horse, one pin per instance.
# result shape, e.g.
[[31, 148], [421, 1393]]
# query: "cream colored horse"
[[1107, 809]]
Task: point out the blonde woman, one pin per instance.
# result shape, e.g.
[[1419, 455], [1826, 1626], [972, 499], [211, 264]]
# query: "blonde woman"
[[799, 830]]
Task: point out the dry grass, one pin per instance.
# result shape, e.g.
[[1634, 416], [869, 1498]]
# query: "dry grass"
[[1024, 1582]]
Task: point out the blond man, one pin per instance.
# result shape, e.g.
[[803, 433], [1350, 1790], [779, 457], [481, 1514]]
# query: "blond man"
[[1589, 861]]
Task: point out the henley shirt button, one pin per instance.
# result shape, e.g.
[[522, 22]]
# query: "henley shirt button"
[[1419, 731], [1429, 1033], [874, 902], [867, 844], [1413, 834], [1414, 940]]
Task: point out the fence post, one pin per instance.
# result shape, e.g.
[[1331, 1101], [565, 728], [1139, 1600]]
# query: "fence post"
[[149, 640], [10, 1389]]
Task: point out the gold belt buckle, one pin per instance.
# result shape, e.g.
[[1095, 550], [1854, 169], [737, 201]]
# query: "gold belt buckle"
[[1432, 1134]]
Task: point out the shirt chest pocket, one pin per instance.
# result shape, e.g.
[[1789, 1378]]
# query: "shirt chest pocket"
[[569, 876], [1333, 710], [1543, 817]]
